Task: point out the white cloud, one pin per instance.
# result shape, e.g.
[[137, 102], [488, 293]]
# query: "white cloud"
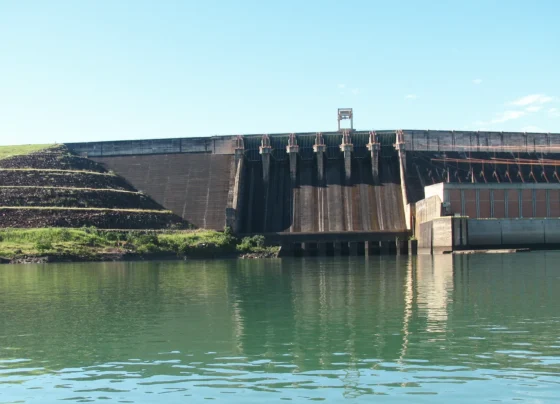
[[500, 118], [477, 81], [554, 113], [534, 108], [410, 97], [507, 116], [355, 91], [531, 128], [342, 86], [532, 99]]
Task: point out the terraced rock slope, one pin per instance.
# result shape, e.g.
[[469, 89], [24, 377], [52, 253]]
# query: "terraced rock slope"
[[55, 188]]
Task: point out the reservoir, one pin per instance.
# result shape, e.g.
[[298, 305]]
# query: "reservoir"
[[433, 329]]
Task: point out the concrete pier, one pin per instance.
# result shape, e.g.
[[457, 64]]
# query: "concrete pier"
[[347, 148], [265, 150], [293, 151], [319, 148], [373, 147]]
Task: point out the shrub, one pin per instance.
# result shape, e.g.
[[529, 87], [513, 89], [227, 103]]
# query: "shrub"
[[254, 243], [43, 245], [148, 248]]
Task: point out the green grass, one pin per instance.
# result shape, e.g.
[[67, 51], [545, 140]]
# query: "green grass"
[[37, 242], [62, 189], [9, 151], [86, 209], [58, 170], [91, 243]]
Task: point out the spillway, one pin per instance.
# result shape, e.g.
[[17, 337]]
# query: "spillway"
[[333, 204]]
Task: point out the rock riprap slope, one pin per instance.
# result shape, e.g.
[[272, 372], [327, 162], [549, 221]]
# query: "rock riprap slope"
[[55, 188]]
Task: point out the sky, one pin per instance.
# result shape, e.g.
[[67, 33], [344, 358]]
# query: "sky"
[[73, 71]]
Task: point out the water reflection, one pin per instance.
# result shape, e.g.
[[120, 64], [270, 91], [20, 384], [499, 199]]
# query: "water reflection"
[[295, 329]]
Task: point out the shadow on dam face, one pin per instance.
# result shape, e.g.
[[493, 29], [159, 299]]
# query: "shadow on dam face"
[[332, 204]]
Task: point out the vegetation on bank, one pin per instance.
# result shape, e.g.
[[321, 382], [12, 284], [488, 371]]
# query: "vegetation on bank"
[[17, 245], [9, 151]]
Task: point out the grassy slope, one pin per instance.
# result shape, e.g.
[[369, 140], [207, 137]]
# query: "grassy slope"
[[9, 151], [90, 243]]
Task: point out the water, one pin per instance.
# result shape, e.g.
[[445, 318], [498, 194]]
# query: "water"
[[463, 329]]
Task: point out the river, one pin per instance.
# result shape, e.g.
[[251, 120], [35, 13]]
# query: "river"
[[475, 328]]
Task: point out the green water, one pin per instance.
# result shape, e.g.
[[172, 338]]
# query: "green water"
[[464, 329]]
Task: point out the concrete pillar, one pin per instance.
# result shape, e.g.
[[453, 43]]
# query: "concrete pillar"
[[265, 150], [337, 248], [400, 146], [235, 198], [239, 149], [320, 148], [385, 248], [353, 248], [412, 247], [347, 148], [293, 149], [367, 248], [373, 147]]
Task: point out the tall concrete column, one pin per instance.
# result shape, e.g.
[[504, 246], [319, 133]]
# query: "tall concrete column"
[[320, 148], [265, 150], [400, 146], [239, 150], [347, 148], [235, 193], [373, 147], [293, 149]]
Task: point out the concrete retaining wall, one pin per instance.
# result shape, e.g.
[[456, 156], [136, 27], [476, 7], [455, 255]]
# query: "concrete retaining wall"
[[442, 234], [426, 210], [484, 232], [513, 232]]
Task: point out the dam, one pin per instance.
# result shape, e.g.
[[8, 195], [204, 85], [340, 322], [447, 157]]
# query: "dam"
[[352, 191]]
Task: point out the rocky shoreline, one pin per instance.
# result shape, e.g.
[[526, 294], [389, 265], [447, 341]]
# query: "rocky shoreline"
[[130, 256]]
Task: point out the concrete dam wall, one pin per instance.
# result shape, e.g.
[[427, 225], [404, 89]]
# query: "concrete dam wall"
[[331, 204], [194, 186], [331, 187], [305, 191]]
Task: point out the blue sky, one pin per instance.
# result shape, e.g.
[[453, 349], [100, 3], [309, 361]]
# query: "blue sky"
[[103, 70]]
